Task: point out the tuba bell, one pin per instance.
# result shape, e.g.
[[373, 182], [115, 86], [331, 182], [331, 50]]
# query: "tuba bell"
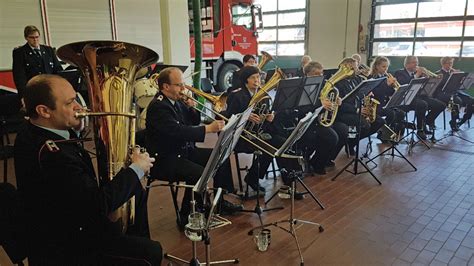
[[266, 57], [271, 84], [110, 69]]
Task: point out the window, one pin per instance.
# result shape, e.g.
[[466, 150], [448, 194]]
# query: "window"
[[422, 28], [284, 27]]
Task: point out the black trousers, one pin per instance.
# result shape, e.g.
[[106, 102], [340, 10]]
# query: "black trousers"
[[420, 107], [110, 248], [259, 166], [460, 100], [321, 141], [189, 169]]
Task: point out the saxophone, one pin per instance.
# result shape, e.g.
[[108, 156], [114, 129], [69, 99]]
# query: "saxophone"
[[370, 104]]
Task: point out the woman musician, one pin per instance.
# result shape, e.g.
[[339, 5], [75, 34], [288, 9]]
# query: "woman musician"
[[348, 113], [394, 117], [237, 102]]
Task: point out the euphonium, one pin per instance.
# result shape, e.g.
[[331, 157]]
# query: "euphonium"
[[271, 84], [266, 57], [327, 117], [218, 101], [370, 104], [110, 69]]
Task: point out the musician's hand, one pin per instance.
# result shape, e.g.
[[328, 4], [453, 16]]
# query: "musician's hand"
[[142, 159], [391, 81], [270, 117], [339, 101], [327, 104], [190, 102], [419, 72], [215, 126], [254, 118]]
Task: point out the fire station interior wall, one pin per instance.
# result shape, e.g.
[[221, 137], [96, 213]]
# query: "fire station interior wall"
[[14, 16]]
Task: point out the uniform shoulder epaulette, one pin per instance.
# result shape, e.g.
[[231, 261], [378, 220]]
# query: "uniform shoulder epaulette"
[[16, 47], [236, 90]]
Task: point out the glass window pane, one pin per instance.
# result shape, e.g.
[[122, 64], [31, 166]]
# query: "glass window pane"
[[441, 8], [296, 18], [291, 49], [241, 16], [439, 29], [269, 20], [394, 30], [267, 35], [469, 27], [470, 7], [437, 48], [295, 34], [267, 5], [468, 49], [395, 11], [267, 47], [392, 48], [291, 4]]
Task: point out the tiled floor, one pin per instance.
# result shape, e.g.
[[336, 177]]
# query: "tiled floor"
[[422, 217]]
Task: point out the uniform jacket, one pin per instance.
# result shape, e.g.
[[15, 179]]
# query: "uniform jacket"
[[171, 132], [402, 76], [382, 92], [26, 64], [68, 210]]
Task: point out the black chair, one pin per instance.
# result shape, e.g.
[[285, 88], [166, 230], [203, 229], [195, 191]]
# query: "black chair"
[[140, 139], [12, 228], [10, 120]]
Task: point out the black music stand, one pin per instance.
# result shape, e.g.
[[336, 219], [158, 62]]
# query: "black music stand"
[[295, 176], [430, 86], [222, 149], [451, 87], [398, 99], [412, 90], [364, 88]]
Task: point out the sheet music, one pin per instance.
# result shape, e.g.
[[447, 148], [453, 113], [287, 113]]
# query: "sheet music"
[[299, 131]]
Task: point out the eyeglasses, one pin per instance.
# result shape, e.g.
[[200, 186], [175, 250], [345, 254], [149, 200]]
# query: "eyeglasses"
[[33, 37]]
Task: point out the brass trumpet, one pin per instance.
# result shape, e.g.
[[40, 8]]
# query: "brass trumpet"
[[428, 73], [396, 85]]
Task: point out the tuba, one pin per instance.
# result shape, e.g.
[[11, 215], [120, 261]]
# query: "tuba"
[[110, 69], [271, 84], [327, 117]]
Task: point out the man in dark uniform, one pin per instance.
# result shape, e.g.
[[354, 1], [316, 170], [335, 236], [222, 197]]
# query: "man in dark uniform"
[[459, 99], [67, 211], [248, 60], [172, 128], [348, 113], [32, 59], [420, 104]]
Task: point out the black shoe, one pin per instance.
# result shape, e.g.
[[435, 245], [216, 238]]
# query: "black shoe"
[[427, 131], [253, 185], [409, 125], [319, 170], [229, 208], [421, 134], [285, 193], [453, 125], [331, 163]]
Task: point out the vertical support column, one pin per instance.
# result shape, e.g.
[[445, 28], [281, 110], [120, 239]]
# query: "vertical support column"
[[44, 20], [175, 32], [113, 19]]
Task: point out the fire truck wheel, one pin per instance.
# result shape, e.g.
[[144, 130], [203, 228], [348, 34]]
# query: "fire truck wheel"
[[224, 77]]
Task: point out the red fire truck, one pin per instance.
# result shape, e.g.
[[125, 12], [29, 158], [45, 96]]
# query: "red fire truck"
[[229, 31]]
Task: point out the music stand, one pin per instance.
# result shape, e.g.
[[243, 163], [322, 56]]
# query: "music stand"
[[453, 85], [287, 94], [329, 72], [299, 131], [364, 88], [430, 86], [397, 99], [222, 149]]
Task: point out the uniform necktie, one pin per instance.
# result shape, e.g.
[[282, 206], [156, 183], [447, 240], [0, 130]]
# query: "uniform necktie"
[[37, 52]]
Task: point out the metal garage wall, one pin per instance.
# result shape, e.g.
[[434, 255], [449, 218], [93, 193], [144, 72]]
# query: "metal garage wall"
[[72, 21], [139, 22], [14, 16]]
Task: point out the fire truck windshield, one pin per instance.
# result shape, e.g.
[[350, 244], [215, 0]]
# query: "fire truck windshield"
[[242, 16]]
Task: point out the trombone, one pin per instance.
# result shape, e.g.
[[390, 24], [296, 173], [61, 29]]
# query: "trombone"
[[267, 148]]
